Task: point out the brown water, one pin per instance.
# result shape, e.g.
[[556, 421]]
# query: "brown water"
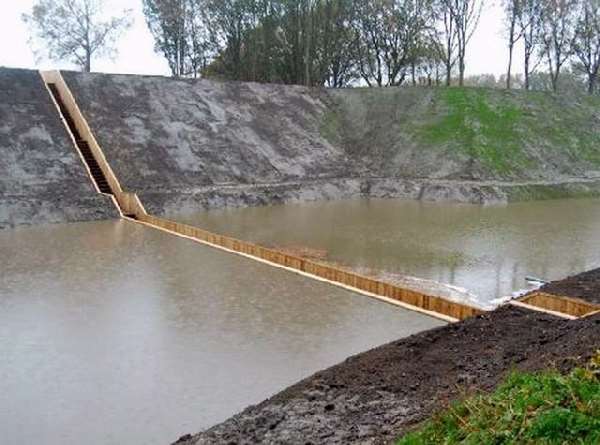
[[487, 250], [113, 333]]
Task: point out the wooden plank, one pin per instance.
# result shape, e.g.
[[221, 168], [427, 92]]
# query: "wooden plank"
[[566, 305], [130, 204], [429, 303], [540, 309]]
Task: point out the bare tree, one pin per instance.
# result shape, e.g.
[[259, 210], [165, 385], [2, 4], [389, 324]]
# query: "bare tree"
[[180, 34], [447, 36], [557, 35], [388, 34], [465, 14], [586, 45], [512, 10], [529, 20], [75, 30]]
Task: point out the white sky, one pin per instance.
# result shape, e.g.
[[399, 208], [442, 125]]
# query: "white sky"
[[486, 53]]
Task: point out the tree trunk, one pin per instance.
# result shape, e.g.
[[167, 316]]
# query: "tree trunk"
[[307, 56], [509, 71], [592, 78], [526, 72], [88, 62], [511, 44]]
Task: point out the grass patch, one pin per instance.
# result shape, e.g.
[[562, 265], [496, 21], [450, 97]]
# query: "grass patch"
[[330, 127], [554, 191], [479, 128], [528, 408]]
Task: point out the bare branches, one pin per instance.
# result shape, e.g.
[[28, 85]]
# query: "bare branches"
[[180, 34], [586, 42], [74, 30], [557, 34]]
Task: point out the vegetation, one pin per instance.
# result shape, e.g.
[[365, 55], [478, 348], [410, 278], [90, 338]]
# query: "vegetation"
[[75, 30], [378, 43], [528, 408], [480, 129], [336, 43]]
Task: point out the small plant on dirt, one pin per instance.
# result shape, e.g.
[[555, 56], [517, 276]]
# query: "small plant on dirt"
[[528, 408]]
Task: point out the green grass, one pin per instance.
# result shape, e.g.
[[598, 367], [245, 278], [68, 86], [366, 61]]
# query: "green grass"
[[554, 191], [490, 133], [331, 127], [528, 408], [482, 129]]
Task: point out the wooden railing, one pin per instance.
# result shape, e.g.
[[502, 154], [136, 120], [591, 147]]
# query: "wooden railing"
[[130, 206], [574, 307], [128, 203], [426, 303]]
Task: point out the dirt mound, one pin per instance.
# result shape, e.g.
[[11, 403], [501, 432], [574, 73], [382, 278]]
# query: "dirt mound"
[[377, 395], [585, 285]]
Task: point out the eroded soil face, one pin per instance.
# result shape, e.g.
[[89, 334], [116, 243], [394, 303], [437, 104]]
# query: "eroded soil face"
[[376, 396]]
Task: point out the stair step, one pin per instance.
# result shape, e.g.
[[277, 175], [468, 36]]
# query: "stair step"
[[82, 144]]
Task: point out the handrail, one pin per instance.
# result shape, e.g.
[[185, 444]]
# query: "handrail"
[[130, 206], [432, 305], [128, 203]]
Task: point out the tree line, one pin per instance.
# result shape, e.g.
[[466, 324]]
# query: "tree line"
[[315, 42], [336, 43]]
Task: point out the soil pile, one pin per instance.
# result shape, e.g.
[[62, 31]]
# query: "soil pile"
[[585, 285], [376, 396]]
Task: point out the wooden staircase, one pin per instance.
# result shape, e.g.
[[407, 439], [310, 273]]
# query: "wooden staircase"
[[82, 145]]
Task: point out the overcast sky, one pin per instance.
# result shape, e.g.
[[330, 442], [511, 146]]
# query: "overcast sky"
[[486, 52]]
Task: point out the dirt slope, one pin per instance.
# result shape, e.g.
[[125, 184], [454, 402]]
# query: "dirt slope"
[[42, 179], [375, 396], [468, 133], [163, 135], [190, 144]]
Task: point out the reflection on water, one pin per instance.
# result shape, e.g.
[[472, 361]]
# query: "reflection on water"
[[115, 333], [488, 250]]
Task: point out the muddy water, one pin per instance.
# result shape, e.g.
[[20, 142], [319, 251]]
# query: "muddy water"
[[112, 333], [488, 250]]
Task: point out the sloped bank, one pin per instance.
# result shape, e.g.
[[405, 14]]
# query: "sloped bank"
[[471, 192], [42, 178], [376, 396], [186, 145]]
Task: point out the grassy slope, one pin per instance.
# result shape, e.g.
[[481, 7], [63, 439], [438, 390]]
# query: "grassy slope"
[[541, 408], [467, 132]]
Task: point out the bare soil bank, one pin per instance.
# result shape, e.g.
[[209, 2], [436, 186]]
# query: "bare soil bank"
[[375, 396], [42, 178], [187, 145], [585, 285]]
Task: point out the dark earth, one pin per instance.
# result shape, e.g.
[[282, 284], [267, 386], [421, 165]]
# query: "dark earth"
[[585, 286], [42, 178], [378, 395]]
